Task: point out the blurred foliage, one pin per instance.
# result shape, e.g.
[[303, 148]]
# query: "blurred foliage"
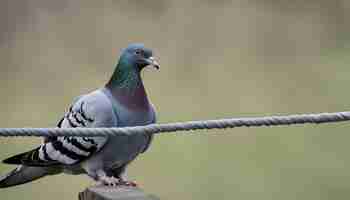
[[218, 59]]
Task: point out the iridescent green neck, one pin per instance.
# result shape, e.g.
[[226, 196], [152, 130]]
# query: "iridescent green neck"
[[125, 76], [127, 88]]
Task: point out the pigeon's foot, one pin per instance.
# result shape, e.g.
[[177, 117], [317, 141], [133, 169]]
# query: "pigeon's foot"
[[128, 183], [109, 181], [115, 182]]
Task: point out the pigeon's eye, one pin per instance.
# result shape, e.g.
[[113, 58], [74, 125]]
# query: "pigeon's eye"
[[138, 52]]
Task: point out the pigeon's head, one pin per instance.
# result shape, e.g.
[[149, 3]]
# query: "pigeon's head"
[[138, 56]]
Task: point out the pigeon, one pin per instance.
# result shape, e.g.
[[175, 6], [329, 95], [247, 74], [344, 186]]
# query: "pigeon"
[[122, 102]]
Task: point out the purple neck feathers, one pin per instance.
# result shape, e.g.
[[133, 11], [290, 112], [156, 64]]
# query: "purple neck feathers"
[[131, 98]]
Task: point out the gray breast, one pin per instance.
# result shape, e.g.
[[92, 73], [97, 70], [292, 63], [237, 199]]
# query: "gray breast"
[[127, 117]]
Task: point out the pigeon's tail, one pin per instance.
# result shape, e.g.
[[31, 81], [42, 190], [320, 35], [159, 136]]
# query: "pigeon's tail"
[[22, 158], [30, 158], [24, 174]]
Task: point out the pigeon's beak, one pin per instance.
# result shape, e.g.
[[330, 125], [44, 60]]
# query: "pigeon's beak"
[[153, 62]]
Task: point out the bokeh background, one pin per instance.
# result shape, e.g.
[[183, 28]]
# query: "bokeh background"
[[218, 59]]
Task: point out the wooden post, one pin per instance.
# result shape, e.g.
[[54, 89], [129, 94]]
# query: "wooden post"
[[100, 192]]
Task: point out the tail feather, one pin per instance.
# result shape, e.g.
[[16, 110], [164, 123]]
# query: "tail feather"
[[30, 158], [18, 159], [24, 174]]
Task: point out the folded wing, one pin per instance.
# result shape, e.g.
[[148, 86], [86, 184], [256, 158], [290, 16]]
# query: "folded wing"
[[92, 110]]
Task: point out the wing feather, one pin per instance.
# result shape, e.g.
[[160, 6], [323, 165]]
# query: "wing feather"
[[92, 110]]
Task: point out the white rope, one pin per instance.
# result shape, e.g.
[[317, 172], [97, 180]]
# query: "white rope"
[[181, 126]]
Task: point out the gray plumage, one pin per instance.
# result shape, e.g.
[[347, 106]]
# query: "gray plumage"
[[122, 102]]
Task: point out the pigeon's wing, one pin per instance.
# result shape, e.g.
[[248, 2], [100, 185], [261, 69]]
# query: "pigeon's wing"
[[60, 122], [92, 110]]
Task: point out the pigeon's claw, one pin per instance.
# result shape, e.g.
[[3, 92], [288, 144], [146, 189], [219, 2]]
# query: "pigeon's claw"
[[115, 182], [128, 183], [109, 181]]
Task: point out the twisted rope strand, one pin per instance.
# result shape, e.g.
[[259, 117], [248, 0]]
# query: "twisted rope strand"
[[181, 126]]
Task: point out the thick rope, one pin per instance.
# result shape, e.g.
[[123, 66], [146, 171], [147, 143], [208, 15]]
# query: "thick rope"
[[181, 126]]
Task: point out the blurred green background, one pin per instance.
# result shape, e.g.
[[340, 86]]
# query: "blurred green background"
[[218, 59]]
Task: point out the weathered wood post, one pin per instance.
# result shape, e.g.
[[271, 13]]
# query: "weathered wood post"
[[101, 192]]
